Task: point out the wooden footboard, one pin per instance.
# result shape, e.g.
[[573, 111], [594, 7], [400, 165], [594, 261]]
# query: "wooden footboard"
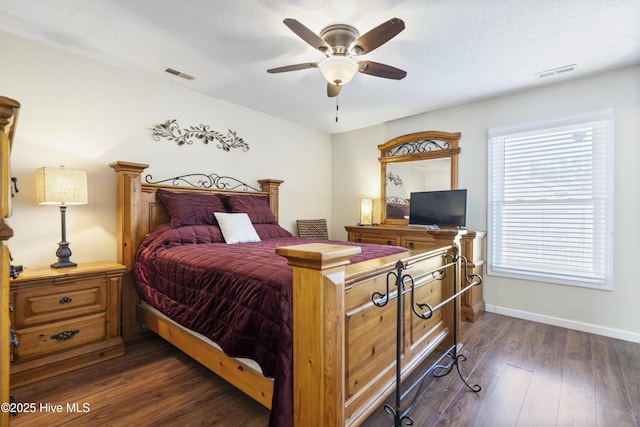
[[345, 346]]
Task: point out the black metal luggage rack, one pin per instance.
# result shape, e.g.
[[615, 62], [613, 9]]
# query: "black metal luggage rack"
[[424, 311]]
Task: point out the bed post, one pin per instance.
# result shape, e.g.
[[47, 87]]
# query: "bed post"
[[318, 332], [129, 186], [272, 186]]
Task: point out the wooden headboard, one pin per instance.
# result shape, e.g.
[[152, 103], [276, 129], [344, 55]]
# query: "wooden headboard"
[[139, 211]]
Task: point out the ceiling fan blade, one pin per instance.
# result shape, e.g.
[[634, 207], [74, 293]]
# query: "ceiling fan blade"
[[307, 35], [381, 70], [333, 90], [377, 36], [293, 67]]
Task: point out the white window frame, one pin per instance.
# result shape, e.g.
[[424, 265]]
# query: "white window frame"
[[510, 253]]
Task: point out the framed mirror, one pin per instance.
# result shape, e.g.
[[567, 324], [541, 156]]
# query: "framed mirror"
[[422, 161]]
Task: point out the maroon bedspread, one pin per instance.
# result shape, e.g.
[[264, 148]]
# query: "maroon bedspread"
[[237, 295]]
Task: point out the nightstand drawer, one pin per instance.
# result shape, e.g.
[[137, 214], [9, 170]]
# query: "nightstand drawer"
[[59, 336], [40, 305]]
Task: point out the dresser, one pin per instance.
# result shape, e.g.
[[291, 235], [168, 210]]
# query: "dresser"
[[65, 319], [471, 245]]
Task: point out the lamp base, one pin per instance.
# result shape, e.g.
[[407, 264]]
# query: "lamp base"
[[63, 253], [64, 264]]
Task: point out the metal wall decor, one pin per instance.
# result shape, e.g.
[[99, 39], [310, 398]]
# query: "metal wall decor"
[[394, 179], [171, 130]]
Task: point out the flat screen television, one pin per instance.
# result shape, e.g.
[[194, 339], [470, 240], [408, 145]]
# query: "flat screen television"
[[447, 208]]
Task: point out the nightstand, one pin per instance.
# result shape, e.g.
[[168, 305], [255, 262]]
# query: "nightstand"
[[65, 319]]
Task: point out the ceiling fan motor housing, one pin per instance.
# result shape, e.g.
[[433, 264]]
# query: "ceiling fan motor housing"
[[340, 37]]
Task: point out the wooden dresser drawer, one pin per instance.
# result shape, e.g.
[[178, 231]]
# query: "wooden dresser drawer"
[[418, 243], [40, 305], [377, 239], [54, 337]]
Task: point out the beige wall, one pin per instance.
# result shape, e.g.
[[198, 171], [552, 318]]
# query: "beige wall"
[[85, 114], [614, 313]]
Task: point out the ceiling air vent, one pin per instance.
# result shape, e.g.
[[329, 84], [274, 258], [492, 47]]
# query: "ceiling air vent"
[[179, 74], [557, 71]]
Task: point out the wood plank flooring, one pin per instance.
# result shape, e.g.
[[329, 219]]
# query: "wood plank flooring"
[[532, 375]]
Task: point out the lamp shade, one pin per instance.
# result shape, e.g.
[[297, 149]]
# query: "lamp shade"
[[61, 186], [366, 212], [338, 70]]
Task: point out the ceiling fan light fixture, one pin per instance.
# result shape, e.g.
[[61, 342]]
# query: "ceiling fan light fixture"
[[338, 70]]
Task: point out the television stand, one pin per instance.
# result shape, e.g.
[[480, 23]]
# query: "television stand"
[[419, 238]]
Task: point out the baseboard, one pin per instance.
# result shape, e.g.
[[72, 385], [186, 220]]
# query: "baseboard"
[[565, 323]]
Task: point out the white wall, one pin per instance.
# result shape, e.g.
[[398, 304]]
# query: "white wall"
[[614, 313], [85, 114], [356, 175]]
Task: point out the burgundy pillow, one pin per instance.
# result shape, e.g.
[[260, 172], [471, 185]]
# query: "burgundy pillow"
[[257, 207], [194, 234], [191, 208], [271, 231]]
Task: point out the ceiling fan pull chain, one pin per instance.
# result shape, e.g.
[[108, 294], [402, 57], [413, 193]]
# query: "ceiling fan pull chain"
[[337, 109]]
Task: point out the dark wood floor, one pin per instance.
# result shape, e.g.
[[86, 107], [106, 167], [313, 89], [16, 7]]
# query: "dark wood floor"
[[531, 375]]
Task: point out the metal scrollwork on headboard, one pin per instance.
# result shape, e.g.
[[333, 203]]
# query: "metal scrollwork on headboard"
[[201, 180], [397, 201]]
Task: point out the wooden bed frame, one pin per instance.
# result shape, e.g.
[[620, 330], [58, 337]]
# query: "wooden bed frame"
[[344, 352]]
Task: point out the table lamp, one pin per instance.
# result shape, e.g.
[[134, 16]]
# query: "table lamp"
[[61, 186]]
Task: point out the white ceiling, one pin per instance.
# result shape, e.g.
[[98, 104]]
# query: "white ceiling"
[[454, 51]]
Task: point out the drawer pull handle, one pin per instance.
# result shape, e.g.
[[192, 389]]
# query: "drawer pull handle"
[[389, 242], [411, 245], [65, 300], [14, 339], [65, 335], [359, 239]]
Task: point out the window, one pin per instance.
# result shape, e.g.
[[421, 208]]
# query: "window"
[[551, 200]]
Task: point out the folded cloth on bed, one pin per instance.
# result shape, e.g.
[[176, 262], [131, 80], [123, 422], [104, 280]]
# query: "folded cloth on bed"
[[237, 295]]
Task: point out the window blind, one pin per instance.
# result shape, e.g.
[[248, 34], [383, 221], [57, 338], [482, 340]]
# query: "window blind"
[[550, 200]]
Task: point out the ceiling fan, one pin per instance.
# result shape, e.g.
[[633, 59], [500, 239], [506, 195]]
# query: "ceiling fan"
[[340, 43]]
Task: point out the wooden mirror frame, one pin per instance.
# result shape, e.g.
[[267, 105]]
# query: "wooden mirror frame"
[[413, 147]]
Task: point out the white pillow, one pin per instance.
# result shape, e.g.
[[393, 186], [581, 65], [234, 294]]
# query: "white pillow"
[[236, 227]]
